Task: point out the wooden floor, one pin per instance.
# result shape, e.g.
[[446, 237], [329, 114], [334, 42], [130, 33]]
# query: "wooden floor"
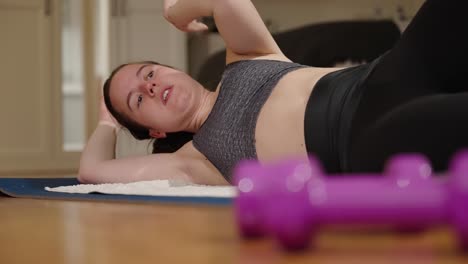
[[48, 231]]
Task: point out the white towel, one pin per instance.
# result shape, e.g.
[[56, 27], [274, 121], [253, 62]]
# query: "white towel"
[[155, 188]]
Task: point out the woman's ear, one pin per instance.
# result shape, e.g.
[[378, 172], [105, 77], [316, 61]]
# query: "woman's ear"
[[157, 134]]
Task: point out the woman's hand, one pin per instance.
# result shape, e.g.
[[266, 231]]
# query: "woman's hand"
[[182, 18], [105, 117]]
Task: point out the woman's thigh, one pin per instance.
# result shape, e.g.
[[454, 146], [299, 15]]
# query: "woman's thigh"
[[432, 50], [429, 59], [435, 125]]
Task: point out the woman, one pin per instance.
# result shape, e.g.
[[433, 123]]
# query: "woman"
[[411, 99]]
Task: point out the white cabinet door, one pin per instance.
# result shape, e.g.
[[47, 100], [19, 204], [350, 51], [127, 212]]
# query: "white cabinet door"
[[30, 134], [140, 32]]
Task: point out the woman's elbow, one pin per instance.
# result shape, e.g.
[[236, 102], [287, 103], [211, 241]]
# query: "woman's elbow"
[[86, 176]]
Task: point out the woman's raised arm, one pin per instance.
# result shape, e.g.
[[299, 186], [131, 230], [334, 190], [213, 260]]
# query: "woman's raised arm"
[[238, 22], [98, 163]]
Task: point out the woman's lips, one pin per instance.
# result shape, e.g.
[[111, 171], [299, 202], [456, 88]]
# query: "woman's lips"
[[169, 92]]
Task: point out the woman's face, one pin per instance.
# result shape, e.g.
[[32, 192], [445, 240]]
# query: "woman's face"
[[157, 97]]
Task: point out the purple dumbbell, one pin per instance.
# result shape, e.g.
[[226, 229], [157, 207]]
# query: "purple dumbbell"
[[292, 199], [256, 187]]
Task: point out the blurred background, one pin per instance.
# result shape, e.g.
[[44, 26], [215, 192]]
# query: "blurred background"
[[55, 55]]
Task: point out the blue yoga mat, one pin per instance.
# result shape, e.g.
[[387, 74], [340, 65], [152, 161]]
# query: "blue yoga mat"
[[34, 188]]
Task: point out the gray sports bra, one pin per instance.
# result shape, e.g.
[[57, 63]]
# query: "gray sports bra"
[[228, 134]]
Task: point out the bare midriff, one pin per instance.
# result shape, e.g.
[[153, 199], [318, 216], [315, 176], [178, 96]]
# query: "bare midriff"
[[280, 127]]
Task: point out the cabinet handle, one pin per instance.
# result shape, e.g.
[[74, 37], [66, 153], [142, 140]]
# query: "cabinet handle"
[[114, 8], [47, 8], [123, 8]]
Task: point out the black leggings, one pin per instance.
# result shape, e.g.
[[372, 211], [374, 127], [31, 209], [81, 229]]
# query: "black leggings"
[[416, 99]]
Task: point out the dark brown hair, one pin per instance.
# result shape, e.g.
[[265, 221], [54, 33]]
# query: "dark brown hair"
[[170, 144]]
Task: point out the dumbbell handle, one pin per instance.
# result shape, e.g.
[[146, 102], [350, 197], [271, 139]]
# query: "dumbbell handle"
[[364, 200]]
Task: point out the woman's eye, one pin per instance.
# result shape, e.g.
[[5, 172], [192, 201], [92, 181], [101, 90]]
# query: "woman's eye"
[[150, 75], [140, 98]]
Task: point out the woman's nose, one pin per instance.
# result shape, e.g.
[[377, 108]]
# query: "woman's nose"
[[149, 88]]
